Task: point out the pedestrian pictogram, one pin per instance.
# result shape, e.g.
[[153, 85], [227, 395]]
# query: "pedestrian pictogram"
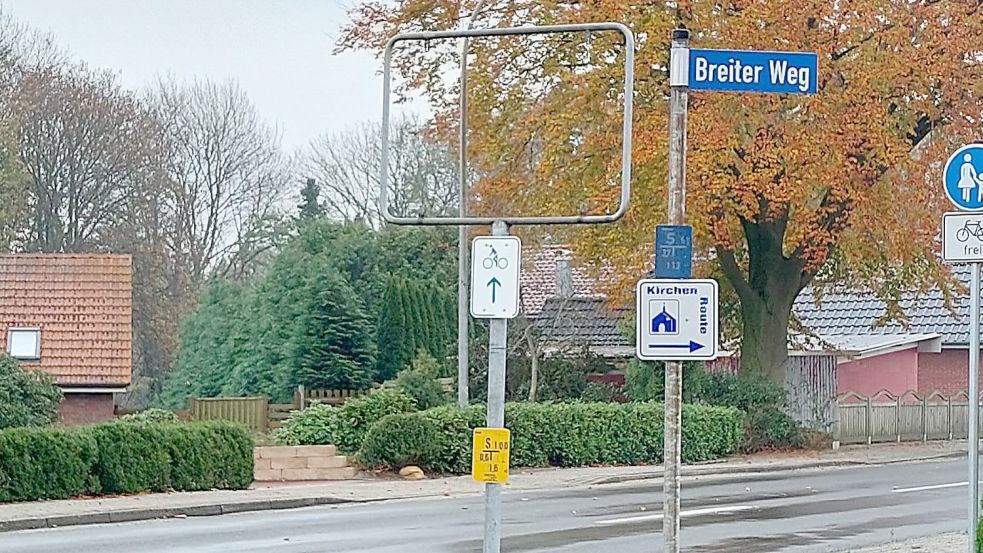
[[963, 178]]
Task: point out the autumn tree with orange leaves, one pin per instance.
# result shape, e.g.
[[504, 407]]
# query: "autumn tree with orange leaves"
[[839, 188]]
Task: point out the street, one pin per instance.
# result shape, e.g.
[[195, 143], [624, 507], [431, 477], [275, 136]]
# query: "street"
[[789, 512]]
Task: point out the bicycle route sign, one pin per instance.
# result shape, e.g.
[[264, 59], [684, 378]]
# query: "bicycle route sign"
[[495, 277], [676, 319]]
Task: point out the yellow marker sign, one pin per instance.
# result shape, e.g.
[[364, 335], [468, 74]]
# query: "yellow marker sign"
[[490, 454]]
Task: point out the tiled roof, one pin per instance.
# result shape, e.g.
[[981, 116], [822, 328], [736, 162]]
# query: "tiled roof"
[[538, 278], [857, 312], [581, 322], [82, 304]]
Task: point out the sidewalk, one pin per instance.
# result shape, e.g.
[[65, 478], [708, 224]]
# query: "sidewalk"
[[266, 496], [946, 543]]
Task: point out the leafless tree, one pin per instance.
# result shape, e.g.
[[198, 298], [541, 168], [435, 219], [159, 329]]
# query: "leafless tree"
[[88, 146], [227, 175], [422, 172]]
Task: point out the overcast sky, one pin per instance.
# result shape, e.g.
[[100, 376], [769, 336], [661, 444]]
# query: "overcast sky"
[[278, 50]]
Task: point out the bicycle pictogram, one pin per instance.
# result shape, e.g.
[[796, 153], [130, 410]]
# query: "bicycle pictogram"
[[494, 260], [970, 228]]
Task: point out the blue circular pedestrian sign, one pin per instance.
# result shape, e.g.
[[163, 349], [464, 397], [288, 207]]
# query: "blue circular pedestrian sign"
[[963, 177]]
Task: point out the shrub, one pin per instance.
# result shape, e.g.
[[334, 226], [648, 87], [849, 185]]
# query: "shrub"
[[27, 398], [346, 426], [645, 381], [123, 458], [153, 416], [744, 392], [559, 434], [599, 392], [419, 381], [768, 427], [316, 425]]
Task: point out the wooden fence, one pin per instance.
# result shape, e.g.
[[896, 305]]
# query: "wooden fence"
[[251, 412], [257, 413], [884, 417]]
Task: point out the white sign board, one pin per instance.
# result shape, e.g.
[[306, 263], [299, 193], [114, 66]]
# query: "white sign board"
[[495, 277], [676, 319], [962, 237]]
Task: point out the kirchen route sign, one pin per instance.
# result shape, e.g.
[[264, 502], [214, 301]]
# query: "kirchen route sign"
[[495, 277], [676, 319]]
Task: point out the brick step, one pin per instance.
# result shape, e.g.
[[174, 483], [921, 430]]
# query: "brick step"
[[281, 451], [283, 463], [304, 474]]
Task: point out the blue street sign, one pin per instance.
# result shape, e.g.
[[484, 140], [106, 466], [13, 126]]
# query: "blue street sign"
[[673, 251], [750, 71], [963, 177]]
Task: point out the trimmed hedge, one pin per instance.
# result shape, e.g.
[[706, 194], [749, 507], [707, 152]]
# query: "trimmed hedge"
[[557, 434], [117, 458]]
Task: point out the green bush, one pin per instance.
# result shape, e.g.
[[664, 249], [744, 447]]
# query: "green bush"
[[158, 416], [316, 425], [558, 434], [346, 426], [599, 391], [745, 392], [27, 398], [646, 381], [119, 457], [419, 381], [46, 463], [768, 427]]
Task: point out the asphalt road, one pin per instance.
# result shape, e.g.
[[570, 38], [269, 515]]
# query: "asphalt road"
[[788, 512]]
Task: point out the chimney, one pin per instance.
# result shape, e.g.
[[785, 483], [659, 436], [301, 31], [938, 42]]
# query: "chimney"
[[564, 279]]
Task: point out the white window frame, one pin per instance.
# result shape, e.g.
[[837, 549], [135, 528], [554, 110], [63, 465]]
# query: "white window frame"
[[37, 349]]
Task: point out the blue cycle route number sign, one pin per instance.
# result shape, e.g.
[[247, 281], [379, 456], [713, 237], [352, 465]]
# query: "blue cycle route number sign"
[[754, 71], [963, 178], [673, 251]]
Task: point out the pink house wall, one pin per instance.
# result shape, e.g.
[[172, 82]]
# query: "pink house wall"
[[947, 372], [896, 372]]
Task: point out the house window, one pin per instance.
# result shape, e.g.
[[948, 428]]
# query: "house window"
[[24, 343]]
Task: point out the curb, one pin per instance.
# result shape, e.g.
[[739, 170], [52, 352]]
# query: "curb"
[[133, 515], [713, 470]]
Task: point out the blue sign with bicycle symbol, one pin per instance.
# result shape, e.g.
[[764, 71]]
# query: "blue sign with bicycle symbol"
[[963, 178]]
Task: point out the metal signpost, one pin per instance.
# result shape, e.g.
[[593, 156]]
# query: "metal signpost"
[[720, 70], [962, 242], [495, 261]]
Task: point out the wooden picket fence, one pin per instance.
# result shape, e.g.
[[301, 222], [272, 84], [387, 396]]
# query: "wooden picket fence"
[[911, 416], [257, 413]]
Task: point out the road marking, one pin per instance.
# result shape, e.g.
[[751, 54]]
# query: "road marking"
[[690, 513], [927, 488]]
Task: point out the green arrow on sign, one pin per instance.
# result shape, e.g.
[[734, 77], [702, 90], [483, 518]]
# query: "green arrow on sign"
[[494, 283]]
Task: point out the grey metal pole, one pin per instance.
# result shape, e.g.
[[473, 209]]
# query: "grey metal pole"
[[463, 316], [497, 343], [678, 100], [973, 443]]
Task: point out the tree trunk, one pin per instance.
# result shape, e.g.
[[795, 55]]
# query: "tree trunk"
[[766, 289], [764, 345]]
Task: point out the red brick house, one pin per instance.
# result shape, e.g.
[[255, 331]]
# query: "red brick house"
[[70, 315]]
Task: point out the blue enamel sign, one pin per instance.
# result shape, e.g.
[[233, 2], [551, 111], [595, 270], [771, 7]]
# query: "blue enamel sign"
[[963, 178], [751, 71]]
